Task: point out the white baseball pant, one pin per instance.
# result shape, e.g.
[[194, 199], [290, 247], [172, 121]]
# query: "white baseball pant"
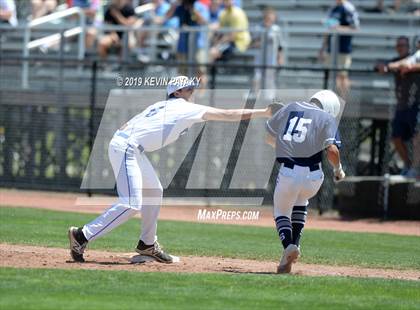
[[294, 187], [139, 189]]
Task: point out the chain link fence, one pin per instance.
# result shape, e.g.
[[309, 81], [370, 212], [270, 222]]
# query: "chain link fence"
[[47, 130]]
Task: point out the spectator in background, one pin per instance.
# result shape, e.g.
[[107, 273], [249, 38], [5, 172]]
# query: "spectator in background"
[[237, 3], [270, 50], [215, 10], [42, 7], [413, 5], [208, 3], [342, 17], [205, 2], [407, 92], [191, 13], [161, 8], [409, 69], [411, 65], [8, 12], [226, 44], [380, 6], [91, 9], [120, 13]]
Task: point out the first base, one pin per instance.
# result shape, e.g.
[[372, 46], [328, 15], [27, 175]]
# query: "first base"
[[139, 259]]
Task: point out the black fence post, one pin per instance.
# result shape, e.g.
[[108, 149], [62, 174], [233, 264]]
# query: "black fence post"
[[326, 78], [213, 71], [92, 115]]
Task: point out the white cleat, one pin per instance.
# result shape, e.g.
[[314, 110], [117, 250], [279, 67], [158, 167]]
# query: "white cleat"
[[290, 256]]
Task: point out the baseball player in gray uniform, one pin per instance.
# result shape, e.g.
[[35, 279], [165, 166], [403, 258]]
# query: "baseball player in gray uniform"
[[139, 189], [300, 132]]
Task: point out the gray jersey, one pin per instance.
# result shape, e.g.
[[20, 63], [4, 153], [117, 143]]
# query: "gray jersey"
[[302, 131]]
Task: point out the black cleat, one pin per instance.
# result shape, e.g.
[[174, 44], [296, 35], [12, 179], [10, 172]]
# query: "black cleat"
[[154, 251], [78, 244]]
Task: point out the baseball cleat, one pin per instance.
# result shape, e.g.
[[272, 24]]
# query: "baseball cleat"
[[77, 245], [154, 251], [290, 256], [297, 257]]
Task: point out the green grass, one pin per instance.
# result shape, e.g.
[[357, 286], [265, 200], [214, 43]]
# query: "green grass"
[[49, 228], [93, 289]]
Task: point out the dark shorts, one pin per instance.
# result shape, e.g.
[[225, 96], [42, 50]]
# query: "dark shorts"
[[227, 50], [404, 123]]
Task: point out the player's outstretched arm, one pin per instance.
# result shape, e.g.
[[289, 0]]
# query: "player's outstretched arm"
[[234, 115], [333, 155]]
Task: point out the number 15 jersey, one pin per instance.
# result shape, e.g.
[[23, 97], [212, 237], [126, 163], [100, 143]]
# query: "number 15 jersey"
[[302, 131]]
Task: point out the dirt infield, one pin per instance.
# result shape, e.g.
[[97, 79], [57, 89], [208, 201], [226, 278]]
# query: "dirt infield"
[[20, 256], [72, 202]]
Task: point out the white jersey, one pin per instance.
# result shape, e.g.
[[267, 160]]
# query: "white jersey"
[[161, 124], [413, 59]]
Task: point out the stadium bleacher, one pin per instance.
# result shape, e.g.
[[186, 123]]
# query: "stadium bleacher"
[[302, 24]]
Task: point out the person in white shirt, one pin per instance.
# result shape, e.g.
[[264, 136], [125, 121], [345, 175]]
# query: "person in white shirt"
[[138, 186], [270, 50], [8, 12]]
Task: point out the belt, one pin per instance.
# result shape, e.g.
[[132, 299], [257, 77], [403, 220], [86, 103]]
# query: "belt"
[[311, 167], [125, 136], [122, 134]]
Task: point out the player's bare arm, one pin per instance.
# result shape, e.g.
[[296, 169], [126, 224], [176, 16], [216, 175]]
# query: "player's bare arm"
[[125, 21], [333, 156], [405, 65], [234, 115]]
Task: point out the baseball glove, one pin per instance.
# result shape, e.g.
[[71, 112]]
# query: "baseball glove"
[[275, 107]]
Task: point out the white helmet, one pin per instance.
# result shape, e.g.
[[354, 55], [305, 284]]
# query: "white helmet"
[[328, 101]]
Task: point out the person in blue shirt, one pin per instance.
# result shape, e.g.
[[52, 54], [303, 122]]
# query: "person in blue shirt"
[[215, 9], [162, 7], [342, 17], [157, 17], [191, 13], [91, 9]]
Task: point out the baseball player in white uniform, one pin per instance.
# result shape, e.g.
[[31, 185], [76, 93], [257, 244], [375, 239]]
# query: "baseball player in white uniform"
[[300, 132], [138, 186]]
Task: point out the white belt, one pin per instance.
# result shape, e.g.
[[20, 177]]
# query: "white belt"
[[125, 136]]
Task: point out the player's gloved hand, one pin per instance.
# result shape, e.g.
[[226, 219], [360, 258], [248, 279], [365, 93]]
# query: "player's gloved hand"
[[275, 107], [339, 173]]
